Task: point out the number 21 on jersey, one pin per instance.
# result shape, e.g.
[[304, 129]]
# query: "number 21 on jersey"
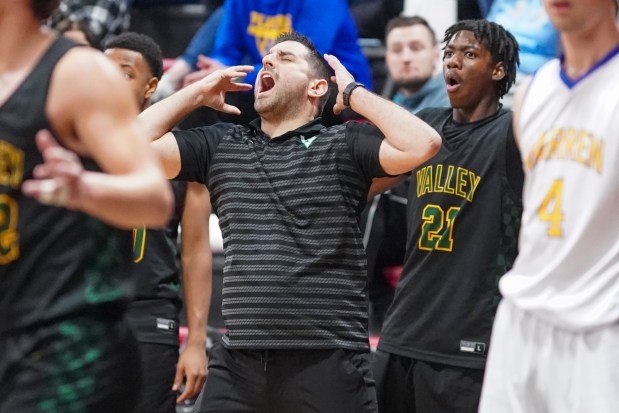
[[437, 228]]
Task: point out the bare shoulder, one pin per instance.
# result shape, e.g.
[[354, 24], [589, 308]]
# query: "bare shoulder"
[[83, 71], [85, 81]]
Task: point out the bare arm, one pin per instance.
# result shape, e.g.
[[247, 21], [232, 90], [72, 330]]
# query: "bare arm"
[[197, 284], [161, 117], [93, 115], [408, 140], [210, 91]]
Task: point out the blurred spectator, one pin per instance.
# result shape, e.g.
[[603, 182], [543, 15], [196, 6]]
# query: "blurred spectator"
[[412, 56], [248, 28], [245, 34], [103, 17], [538, 39], [78, 31]]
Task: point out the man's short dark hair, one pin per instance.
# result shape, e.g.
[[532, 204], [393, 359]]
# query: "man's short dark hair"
[[407, 21], [317, 63], [142, 44], [44, 8], [502, 45]]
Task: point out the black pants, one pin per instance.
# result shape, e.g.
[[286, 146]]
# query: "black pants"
[[287, 381], [158, 371], [405, 385], [83, 365]]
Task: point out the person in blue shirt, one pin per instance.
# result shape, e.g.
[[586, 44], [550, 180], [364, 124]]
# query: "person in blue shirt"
[[248, 28]]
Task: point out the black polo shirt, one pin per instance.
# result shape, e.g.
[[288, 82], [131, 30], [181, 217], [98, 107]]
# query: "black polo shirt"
[[295, 269]]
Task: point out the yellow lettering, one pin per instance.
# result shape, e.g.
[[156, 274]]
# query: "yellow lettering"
[[421, 178], [430, 179], [450, 172], [581, 149], [535, 153], [569, 144], [265, 29], [461, 182], [595, 161], [11, 165], [474, 180], [427, 185], [552, 147], [437, 179]]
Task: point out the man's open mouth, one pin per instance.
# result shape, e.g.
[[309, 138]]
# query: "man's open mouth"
[[266, 82]]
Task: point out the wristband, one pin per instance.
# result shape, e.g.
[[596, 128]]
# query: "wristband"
[[348, 90]]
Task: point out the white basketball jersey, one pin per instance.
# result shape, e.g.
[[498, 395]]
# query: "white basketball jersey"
[[567, 270]]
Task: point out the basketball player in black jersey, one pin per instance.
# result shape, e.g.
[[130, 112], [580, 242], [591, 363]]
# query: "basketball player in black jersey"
[[464, 208], [154, 315], [63, 269]]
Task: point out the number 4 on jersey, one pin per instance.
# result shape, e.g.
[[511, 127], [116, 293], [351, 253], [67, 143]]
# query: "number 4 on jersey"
[[550, 209]]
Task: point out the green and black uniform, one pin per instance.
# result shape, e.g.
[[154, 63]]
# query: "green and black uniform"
[[154, 315], [463, 217], [63, 281]]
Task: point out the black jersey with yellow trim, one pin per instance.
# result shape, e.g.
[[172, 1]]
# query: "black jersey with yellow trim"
[[463, 221]]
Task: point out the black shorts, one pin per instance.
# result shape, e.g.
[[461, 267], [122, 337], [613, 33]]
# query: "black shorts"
[[158, 371], [405, 385], [81, 365], [287, 381]]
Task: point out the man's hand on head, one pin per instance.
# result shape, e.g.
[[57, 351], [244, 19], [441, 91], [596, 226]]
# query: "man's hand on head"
[[342, 78]]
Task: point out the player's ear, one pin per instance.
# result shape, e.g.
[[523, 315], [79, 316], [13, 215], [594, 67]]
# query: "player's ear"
[[498, 72], [151, 86], [317, 88]]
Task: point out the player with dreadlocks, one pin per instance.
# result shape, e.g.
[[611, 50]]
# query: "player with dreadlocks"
[[463, 217]]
